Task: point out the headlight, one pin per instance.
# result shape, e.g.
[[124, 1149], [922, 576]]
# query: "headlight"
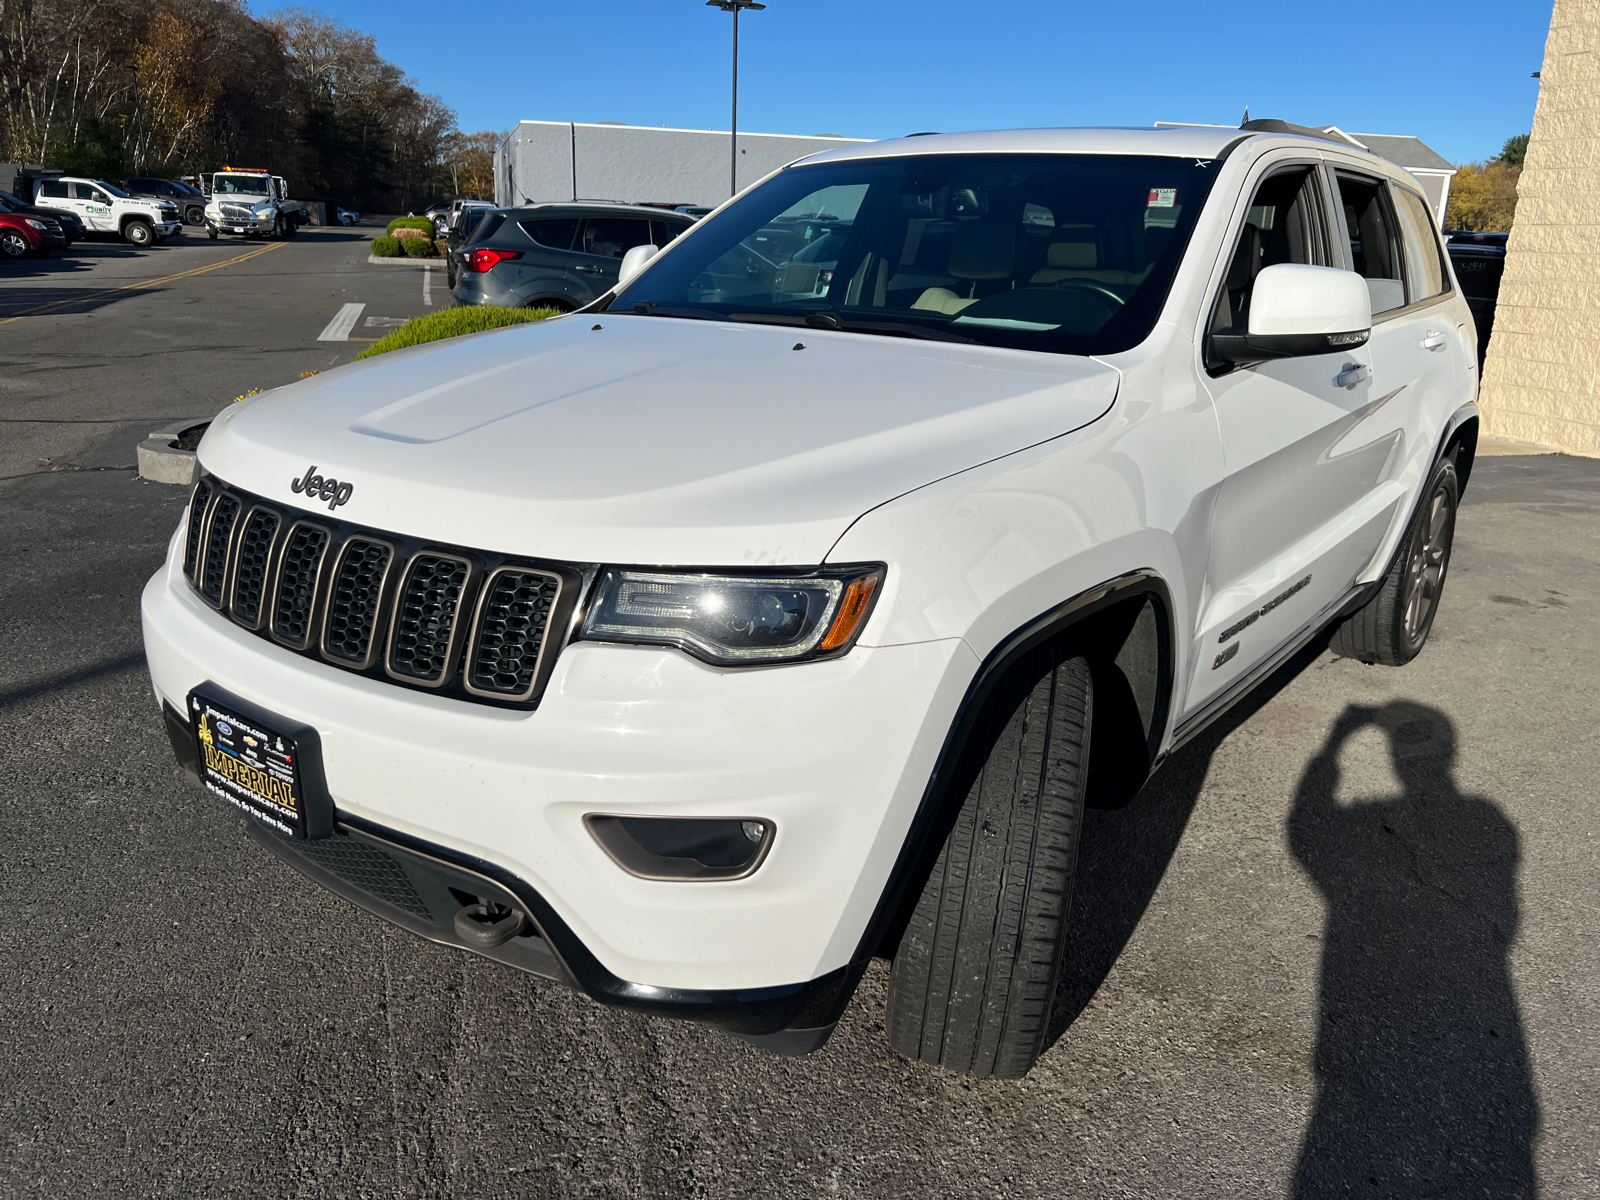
[[735, 620], [36, 224]]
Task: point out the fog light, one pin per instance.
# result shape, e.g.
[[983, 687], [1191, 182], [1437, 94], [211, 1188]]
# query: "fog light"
[[683, 848]]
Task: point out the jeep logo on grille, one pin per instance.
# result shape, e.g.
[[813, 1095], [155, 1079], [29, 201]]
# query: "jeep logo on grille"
[[331, 490]]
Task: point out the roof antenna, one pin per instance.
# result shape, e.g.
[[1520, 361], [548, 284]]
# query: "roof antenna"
[[1246, 120]]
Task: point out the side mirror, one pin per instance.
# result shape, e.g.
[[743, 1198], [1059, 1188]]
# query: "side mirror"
[[634, 261], [1298, 310]]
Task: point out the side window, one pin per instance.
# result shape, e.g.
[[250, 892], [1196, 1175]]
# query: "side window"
[[552, 234], [1284, 224], [1425, 273], [661, 233], [612, 237], [52, 189], [1374, 240]]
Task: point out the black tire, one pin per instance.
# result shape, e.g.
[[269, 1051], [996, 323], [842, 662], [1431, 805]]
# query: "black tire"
[[212, 234], [975, 973], [194, 216], [139, 233], [292, 227], [13, 244], [1392, 627]]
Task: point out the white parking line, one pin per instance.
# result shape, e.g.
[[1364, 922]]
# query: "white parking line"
[[427, 284], [339, 328]]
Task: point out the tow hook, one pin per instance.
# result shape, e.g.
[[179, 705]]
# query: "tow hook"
[[485, 926]]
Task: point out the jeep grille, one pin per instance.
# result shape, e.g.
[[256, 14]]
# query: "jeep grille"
[[470, 624]]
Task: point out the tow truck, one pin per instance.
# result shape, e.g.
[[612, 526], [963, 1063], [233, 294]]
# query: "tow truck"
[[250, 201]]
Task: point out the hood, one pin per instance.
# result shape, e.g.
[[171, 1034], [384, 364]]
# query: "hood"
[[648, 439]]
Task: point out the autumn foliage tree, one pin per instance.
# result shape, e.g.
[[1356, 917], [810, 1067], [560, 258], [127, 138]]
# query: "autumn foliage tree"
[[1483, 196], [166, 87]]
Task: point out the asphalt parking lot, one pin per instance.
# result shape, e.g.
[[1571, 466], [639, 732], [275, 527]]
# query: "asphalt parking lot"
[[1347, 943]]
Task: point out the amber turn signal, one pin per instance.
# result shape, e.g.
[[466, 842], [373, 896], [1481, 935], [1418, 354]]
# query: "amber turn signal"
[[852, 608]]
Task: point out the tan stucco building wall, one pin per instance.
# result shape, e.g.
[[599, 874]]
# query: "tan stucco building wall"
[[1542, 380]]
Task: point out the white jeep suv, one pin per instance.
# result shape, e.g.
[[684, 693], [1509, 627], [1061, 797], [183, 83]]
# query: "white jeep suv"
[[783, 610]]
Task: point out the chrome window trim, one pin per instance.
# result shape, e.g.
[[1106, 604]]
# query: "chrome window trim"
[[475, 631], [457, 629], [385, 607]]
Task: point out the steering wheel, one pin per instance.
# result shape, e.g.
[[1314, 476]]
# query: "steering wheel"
[[1095, 286]]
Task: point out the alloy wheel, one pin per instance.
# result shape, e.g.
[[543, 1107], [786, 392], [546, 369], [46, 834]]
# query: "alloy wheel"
[[13, 244], [1425, 572]]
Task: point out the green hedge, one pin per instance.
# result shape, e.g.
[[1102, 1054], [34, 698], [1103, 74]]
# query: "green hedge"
[[421, 223], [420, 248], [453, 322], [385, 247]]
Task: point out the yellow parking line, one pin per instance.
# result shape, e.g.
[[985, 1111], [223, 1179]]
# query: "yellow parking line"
[[143, 283]]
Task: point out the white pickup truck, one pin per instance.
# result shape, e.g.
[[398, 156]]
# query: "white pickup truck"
[[106, 208], [250, 201]]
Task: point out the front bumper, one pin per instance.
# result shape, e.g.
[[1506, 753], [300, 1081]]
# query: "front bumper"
[[251, 226], [835, 754]]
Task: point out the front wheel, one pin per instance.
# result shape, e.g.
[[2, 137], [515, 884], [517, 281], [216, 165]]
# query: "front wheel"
[[13, 244], [212, 234], [975, 973], [194, 216], [1392, 627], [139, 233]]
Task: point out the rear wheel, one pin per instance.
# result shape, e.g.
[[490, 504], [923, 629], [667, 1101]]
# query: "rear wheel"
[[13, 244], [975, 973], [139, 233], [1392, 627]]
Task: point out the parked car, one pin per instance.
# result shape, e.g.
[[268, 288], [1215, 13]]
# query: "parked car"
[[251, 202], [1479, 260], [106, 208], [558, 256], [346, 216], [191, 201], [22, 234], [72, 229], [696, 649], [465, 227], [458, 207], [693, 210], [439, 214]]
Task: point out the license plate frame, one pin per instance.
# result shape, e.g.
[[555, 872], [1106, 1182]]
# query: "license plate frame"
[[268, 767]]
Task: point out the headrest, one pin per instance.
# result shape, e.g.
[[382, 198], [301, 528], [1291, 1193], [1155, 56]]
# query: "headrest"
[[1073, 248], [983, 249]]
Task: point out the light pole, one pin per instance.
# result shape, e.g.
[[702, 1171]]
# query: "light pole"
[[734, 6]]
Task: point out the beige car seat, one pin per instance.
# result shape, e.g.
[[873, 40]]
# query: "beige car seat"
[[1074, 253], [982, 249]]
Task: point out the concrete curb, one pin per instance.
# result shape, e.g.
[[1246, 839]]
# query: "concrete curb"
[[162, 462], [405, 260]]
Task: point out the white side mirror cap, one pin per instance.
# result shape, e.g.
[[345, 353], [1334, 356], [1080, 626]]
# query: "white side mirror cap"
[[1291, 300], [634, 261]]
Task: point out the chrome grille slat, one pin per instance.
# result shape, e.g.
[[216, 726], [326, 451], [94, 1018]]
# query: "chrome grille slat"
[[354, 600], [218, 542], [427, 616], [199, 509], [252, 562], [470, 625], [509, 633], [295, 591]]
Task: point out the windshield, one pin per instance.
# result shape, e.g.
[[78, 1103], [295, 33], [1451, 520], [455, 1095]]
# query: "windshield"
[[238, 185], [112, 188], [1071, 254]]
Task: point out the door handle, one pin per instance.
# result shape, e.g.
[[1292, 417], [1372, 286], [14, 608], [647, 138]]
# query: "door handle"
[[1352, 374], [1434, 341], [586, 269]]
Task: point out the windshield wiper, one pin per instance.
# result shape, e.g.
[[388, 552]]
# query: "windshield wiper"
[[828, 320], [649, 308]]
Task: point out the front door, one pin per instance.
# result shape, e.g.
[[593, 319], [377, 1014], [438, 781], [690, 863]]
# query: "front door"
[[1299, 511], [597, 258]]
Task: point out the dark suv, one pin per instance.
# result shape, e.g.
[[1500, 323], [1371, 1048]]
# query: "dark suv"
[[191, 201], [1479, 260], [558, 256]]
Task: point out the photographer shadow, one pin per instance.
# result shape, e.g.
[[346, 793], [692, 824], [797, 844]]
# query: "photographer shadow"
[[1423, 1081]]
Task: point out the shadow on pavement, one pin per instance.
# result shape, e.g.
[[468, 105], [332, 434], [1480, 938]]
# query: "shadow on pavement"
[[1423, 1082], [60, 301]]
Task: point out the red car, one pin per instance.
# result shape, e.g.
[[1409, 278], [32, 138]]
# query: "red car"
[[21, 234]]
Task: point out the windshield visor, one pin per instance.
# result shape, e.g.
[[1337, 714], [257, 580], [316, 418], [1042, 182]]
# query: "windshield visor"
[[1069, 254]]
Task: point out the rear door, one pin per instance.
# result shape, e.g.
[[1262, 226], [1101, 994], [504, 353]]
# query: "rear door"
[[1296, 515], [597, 257], [58, 193]]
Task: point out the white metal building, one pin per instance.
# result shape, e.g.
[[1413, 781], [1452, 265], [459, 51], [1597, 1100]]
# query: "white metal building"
[[566, 160]]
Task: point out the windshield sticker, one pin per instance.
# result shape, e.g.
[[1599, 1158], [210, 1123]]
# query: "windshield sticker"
[[1162, 198]]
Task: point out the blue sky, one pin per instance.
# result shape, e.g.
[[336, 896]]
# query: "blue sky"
[[1455, 75]]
